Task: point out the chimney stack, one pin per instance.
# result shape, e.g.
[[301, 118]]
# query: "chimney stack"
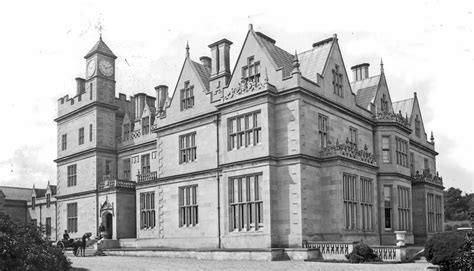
[[161, 97], [360, 72], [206, 62], [80, 85], [220, 70]]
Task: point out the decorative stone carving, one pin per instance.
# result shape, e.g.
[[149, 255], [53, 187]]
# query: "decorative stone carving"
[[243, 88], [107, 206], [426, 176], [348, 150], [391, 116]]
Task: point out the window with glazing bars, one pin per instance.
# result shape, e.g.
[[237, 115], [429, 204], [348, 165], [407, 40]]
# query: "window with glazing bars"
[[349, 187], [72, 217], [402, 152], [188, 206], [126, 169], [387, 193], [71, 175], [438, 214], [145, 163], [145, 125], [244, 130], [366, 203], [64, 142], [33, 203], [48, 226], [246, 203], [403, 208], [430, 204], [147, 210], [323, 130], [337, 81], [251, 72], [353, 137], [417, 126], [386, 149], [48, 200], [81, 136], [126, 131], [187, 148], [90, 132], [412, 163], [187, 96]]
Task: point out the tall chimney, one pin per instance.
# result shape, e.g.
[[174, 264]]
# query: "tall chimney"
[[80, 85], [161, 97], [360, 72], [206, 62], [220, 70]]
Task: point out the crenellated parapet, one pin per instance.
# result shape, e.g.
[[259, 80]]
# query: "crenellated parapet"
[[427, 177], [349, 151], [67, 105]]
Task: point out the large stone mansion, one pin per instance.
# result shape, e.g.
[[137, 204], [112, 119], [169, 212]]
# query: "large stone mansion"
[[278, 150]]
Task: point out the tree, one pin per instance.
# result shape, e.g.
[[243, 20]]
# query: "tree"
[[456, 205], [23, 247]]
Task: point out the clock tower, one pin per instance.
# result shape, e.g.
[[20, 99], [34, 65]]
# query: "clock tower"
[[100, 72]]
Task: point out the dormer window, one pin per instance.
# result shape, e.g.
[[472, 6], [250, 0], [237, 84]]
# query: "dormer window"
[[251, 72], [337, 81], [384, 103], [417, 126], [187, 96], [145, 125]]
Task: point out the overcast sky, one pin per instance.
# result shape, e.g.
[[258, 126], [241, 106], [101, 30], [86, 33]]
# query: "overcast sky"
[[426, 47]]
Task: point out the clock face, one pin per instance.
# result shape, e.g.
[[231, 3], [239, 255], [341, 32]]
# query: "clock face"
[[90, 68], [106, 68]]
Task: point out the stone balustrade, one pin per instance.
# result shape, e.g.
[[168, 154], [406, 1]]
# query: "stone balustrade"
[[146, 177], [331, 250], [427, 177], [110, 182], [392, 117], [348, 150], [133, 135], [389, 253]]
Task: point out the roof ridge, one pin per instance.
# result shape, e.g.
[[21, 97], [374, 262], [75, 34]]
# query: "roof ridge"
[[403, 100], [17, 187]]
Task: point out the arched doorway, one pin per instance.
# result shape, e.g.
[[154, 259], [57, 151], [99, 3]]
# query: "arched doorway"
[[107, 221]]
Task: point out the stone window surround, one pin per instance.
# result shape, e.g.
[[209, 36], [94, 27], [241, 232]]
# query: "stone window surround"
[[188, 206], [245, 205], [72, 175], [72, 217], [250, 135], [187, 148], [147, 210]]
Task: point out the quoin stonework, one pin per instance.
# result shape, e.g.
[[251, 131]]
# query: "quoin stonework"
[[280, 149]]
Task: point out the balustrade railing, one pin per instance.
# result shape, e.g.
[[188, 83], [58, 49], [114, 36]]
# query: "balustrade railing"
[[111, 182], [131, 136], [426, 176], [145, 177], [331, 250], [391, 116], [348, 150], [388, 254]]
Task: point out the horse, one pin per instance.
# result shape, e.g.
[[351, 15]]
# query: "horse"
[[79, 246]]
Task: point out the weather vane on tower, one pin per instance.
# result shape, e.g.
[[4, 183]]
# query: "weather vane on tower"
[[99, 25]]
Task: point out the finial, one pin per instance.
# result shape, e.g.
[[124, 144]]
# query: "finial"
[[296, 64], [334, 36], [250, 26], [414, 94], [187, 49], [266, 75], [432, 137], [99, 26], [381, 66]]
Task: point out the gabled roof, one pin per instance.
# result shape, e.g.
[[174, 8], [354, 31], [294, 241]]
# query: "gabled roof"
[[40, 193], [101, 47], [405, 106], [53, 189], [282, 58], [16, 193], [203, 73], [312, 62], [366, 90]]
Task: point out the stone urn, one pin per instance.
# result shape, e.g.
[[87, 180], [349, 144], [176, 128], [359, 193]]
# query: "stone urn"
[[400, 236]]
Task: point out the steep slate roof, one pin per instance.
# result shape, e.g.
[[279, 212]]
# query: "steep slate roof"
[[53, 189], [16, 193], [40, 193], [282, 58], [313, 61], [101, 47], [405, 106], [366, 90], [203, 73]]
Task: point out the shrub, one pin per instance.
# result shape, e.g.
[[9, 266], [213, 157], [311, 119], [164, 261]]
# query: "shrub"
[[23, 247], [445, 249], [362, 253], [448, 227]]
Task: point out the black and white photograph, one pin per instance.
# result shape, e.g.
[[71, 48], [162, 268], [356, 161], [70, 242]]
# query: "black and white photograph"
[[237, 135]]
